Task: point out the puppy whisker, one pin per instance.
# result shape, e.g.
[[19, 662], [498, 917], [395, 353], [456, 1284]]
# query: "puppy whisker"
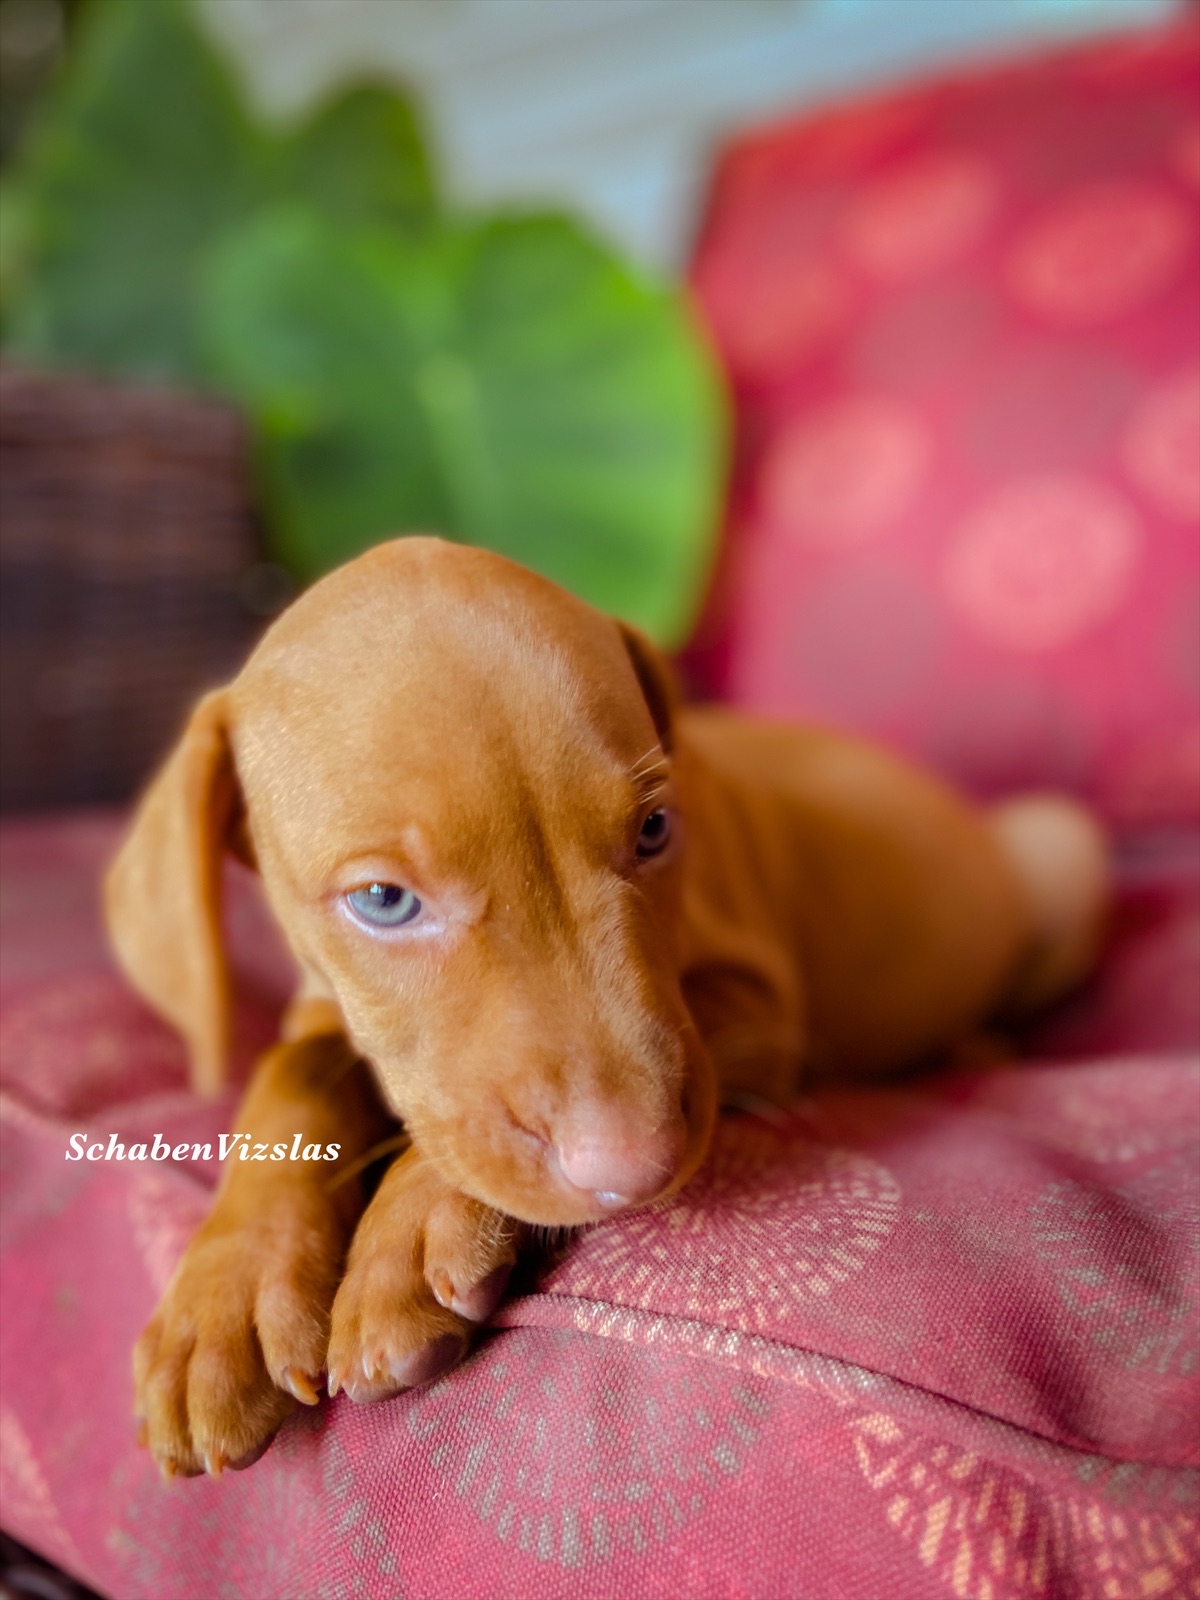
[[398, 1142], [654, 751]]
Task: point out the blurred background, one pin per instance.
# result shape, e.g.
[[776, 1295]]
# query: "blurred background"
[[849, 347], [613, 108]]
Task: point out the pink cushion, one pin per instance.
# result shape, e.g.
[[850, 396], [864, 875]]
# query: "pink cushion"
[[933, 1338], [962, 330]]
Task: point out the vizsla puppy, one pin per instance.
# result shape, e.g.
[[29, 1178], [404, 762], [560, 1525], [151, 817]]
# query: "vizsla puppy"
[[547, 921]]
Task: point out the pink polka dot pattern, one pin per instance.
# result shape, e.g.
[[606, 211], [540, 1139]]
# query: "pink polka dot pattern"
[[1187, 154], [1100, 252], [1161, 448], [920, 215], [840, 474], [1042, 561], [795, 311], [960, 327]]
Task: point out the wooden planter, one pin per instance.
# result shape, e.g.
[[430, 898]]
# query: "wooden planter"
[[130, 576]]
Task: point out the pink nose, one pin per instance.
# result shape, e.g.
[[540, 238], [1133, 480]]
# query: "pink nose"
[[620, 1162]]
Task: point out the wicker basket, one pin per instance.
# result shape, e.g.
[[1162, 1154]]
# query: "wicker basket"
[[130, 578]]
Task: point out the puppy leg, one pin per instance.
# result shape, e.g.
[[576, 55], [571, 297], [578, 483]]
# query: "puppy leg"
[[1062, 861], [240, 1333], [426, 1265]]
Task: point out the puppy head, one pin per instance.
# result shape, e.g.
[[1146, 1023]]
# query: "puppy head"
[[460, 792]]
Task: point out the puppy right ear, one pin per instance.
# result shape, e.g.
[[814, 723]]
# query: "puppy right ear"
[[163, 892], [656, 682]]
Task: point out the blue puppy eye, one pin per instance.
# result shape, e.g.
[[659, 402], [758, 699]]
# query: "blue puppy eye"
[[384, 905], [655, 835]]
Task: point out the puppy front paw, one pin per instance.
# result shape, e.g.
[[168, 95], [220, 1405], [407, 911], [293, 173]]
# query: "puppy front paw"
[[239, 1337], [427, 1265]]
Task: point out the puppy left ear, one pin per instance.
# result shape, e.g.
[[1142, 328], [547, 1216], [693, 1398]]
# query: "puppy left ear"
[[162, 892], [656, 680]]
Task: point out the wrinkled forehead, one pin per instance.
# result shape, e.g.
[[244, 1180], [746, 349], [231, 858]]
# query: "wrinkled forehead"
[[378, 715]]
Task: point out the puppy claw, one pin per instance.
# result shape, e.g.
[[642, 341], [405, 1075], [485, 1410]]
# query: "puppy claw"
[[301, 1386], [443, 1291], [427, 1264], [333, 1382], [428, 1362], [238, 1339], [251, 1456], [477, 1303]]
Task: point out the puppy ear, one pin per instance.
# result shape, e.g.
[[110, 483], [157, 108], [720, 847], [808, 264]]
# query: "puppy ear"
[[163, 892], [656, 680]]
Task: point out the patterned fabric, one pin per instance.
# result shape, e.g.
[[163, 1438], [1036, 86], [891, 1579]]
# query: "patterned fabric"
[[963, 330], [933, 1339]]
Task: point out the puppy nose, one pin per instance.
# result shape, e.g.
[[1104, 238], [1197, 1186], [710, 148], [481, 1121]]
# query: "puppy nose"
[[620, 1162]]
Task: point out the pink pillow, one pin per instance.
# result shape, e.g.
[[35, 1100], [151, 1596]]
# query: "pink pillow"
[[962, 326], [928, 1339]]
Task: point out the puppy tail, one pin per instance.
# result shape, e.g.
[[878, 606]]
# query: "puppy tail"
[[1063, 863]]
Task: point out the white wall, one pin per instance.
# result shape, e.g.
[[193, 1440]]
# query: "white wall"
[[613, 106]]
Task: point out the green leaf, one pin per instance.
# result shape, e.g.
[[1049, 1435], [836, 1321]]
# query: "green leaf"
[[510, 384], [16, 242], [147, 155], [359, 159]]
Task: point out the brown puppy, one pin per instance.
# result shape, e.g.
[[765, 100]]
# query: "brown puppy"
[[560, 921]]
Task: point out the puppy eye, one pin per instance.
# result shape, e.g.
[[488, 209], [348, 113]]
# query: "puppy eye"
[[384, 905], [655, 835]]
